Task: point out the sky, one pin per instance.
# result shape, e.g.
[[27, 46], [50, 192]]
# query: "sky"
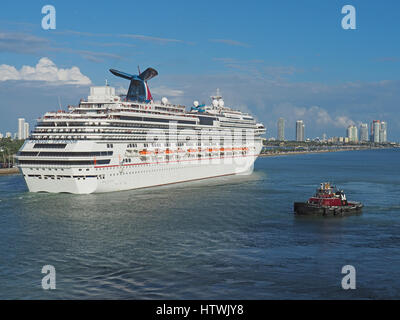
[[289, 59]]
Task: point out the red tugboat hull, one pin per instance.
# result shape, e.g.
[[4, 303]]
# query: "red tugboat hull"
[[305, 208], [328, 201]]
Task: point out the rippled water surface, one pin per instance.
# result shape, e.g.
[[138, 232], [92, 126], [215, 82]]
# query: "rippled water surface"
[[226, 238]]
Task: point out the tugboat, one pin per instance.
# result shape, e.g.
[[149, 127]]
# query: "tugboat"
[[328, 201]]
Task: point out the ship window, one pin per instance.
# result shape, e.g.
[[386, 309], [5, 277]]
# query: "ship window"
[[49, 146], [49, 162]]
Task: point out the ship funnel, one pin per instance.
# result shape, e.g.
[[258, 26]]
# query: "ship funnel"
[[138, 88]]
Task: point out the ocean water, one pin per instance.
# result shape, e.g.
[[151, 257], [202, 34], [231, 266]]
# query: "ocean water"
[[225, 238]]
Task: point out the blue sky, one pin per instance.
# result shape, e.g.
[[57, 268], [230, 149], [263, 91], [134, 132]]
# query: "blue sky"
[[272, 58]]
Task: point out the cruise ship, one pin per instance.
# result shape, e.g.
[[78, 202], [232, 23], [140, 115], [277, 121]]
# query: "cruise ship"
[[115, 142]]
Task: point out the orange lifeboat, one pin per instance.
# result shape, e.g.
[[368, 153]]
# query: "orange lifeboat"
[[144, 152]]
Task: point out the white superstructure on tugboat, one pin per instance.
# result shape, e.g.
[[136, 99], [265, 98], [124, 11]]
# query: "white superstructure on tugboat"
[[110, 143]]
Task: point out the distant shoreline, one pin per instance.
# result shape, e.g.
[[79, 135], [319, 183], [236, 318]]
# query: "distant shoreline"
[[286, 153], [7, 171]]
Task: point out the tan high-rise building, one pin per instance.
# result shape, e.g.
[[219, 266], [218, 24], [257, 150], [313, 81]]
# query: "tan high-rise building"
[[383, 132], [375, 130], [300, 130], [352, 133], [26, 130], [281, 129], [21, 128], [364, 132]]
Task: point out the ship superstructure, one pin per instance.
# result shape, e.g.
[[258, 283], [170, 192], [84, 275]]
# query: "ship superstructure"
[[110, 142]]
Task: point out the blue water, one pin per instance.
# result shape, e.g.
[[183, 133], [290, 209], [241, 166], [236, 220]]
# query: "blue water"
[[227, 238]]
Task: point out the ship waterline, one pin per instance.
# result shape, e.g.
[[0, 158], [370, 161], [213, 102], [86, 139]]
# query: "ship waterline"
[[112, 143], [110, 178]]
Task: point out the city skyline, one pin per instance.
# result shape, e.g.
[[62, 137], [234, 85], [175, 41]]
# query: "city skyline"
[[353, 132], [22, 130]]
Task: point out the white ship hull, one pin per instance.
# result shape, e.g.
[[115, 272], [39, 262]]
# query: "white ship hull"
[[127, 177]]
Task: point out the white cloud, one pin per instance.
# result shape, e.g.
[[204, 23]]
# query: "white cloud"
[[343, 121], [22, 43], [230, 42], [320, 117], [168, 92], [46, 71], [323, 118], [149, 38], [125, 35], [161, 91], [121, 90]]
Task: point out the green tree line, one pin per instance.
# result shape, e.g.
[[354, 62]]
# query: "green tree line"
[[8, 148]]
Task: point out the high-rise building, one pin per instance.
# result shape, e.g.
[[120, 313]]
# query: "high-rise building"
[[324, 137], [8, 134], [383, 132], [364, 132], [21, 128], [26, 130], [1, 136], [375, 129], [352, 133], [300, 130], [281, 129]]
